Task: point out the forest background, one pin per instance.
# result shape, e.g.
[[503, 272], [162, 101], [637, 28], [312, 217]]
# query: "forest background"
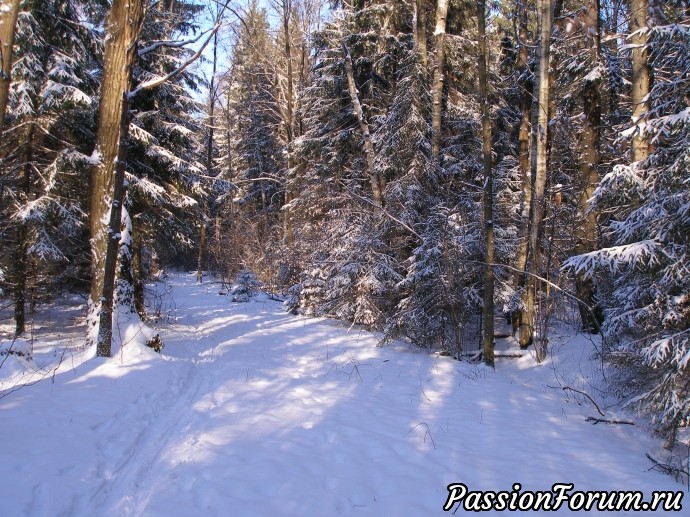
[[416, 167]]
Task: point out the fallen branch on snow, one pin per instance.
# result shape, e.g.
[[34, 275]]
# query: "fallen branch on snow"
[[564, 388], [596, 421]]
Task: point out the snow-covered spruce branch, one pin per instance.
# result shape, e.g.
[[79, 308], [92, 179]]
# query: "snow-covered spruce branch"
[[383, 210], [644, 252]]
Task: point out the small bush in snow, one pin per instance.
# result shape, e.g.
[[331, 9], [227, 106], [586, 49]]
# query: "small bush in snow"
[[246, 286]]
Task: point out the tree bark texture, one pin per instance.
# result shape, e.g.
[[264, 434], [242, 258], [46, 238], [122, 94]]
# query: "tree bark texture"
[[586, 232], [540, 175], [209, 158], [420, 35], [640, 74], [488, 309], [20, 266], [523, 159], [202, 245], [138, 270], [9, 10], [123, 29], [289, 122]]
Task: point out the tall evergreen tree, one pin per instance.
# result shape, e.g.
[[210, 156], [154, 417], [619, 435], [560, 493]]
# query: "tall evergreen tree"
[[647, 325], [43, 148]]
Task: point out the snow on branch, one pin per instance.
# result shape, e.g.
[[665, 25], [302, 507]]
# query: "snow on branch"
[[676, 345], [141, 135], [157, 81], [45, 249], [655, 125], [643, 252], [170, 43]]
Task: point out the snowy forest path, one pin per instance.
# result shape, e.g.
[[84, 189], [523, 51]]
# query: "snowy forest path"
[[252, 411], [128, 454]]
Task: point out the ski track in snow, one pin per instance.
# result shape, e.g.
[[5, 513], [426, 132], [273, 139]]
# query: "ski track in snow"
[[254, 412]]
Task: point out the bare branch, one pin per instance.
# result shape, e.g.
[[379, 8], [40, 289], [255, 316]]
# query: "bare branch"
[[170, 44], [148, 85]]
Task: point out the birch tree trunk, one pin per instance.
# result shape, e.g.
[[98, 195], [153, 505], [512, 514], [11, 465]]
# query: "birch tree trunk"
[[9, 10], [437, 92], [375, 179], [124, 25], [420, 31], [541, 164], [640, 74]]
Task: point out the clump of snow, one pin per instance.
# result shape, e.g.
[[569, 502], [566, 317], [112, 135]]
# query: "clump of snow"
[[130, 337], [96, 157]]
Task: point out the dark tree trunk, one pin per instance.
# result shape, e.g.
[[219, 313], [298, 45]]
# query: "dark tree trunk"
[[488, 309], [523, 160], [589, 177], [138, 270], [20, 266], [420, 35], [289, 122], [202, 245]]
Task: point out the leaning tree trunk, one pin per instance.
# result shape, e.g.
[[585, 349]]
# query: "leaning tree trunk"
[[9, 10], [640, 75], [375, 179], [540, 173], [437, 92], [488, 309], [107, 181], [586, 232]]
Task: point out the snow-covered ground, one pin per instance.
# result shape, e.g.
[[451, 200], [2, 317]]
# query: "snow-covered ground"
[[251, 411]]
